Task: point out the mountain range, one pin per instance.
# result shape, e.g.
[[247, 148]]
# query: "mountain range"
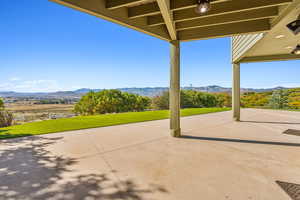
[[146, 91]]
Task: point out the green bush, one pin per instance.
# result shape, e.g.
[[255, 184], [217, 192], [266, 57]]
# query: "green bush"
[[110, 101], [6, 118], [279, 99], [1, 104], [193, 99], [161, 102]]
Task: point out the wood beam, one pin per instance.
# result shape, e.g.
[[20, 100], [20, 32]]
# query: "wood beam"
[[114, 4], [285, 12], [184, 4], [155, 20], [143, 10], [229, 18], [224, 30], [98, 8], [269, 58], [219, 9], [151, 9], [164, 6]]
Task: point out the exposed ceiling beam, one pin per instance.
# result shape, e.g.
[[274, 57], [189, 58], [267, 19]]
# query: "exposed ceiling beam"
[[285, 12], [268, 58], [143, 10], [219, 9], [113, 4], [256, 26], [98, 8], [152, 9], [228, 7], [155, 20], [184, 4], [229, 18], [164, 6]]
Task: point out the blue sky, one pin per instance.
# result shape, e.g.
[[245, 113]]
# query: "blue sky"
[[48, 47]]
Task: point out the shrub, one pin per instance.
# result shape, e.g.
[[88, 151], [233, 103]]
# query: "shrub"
[[6, 118], [1, 104], [161, 102], [279, 99], [255, 99], [110, 101], [191, 99], [223, 99]]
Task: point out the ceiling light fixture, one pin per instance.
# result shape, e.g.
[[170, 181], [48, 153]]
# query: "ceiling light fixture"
[[203, 6], [296, 51]]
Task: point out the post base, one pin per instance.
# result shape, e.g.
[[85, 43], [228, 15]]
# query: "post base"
[[237, 119], [176, 132]]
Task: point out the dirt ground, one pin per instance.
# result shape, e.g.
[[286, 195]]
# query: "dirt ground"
[[26, 112]]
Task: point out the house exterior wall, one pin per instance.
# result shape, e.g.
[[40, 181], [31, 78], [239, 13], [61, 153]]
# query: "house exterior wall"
[[242, 43]]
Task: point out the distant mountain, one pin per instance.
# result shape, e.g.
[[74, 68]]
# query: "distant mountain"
[[147, 91], [85, 90]]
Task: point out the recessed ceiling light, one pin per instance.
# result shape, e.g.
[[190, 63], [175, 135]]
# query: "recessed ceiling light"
[[279, 36]]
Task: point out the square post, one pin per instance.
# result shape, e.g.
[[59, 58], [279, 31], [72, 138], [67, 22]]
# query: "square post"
[[175, 88], [236, 91]]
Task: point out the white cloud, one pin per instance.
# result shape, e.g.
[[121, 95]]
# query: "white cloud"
[[14, 79], [31, 86]]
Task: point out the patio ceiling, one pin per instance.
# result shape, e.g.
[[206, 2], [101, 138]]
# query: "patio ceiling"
[[177, 19], [279, 42]]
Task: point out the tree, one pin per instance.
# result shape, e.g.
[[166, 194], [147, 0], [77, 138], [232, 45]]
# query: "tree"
[[6, 118], [255, 99], [195, 99], [188, 99], [279, 99], [161, 102], [294, 98], [1, 104], [87, 104], [223, 100], [110, 101]]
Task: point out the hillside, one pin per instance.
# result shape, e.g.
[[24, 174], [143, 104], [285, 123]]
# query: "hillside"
[[146, 91]]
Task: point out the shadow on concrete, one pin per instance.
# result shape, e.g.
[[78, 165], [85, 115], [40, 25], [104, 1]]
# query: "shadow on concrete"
[[291, 189], [292, 132], [239, 140], [267, 122], [4, 134], [29, 171]]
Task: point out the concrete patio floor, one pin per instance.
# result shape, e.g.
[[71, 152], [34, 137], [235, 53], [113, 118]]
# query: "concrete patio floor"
[[216, 159]]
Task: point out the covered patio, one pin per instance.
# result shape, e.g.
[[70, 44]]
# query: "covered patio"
[[210, 156], [221, 159], [258, 30]]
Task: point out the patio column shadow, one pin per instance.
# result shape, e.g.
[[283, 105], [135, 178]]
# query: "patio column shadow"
[[270, 122], [239, 140]]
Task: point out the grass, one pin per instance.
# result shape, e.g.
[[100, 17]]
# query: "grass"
[[85, 122]]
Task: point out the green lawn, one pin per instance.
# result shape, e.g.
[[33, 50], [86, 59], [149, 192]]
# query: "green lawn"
[[84, 122]]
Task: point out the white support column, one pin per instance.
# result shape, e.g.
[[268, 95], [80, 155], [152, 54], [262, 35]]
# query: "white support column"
[[175, 89], [236, 91]]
